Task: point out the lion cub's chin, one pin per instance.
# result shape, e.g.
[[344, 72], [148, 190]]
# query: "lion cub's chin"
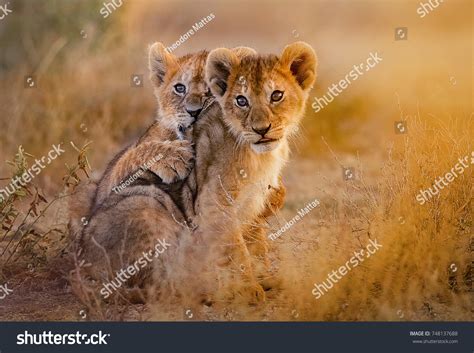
[[265, 147]]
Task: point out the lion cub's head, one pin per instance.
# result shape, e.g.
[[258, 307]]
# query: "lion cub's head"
[[179, 86], [263, 96]]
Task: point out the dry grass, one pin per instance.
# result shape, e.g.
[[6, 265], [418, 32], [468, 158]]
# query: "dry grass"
[[411, 277], [84, 94]]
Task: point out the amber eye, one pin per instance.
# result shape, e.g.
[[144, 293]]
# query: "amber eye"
[[276, 96], [242, 101], [179, 88]]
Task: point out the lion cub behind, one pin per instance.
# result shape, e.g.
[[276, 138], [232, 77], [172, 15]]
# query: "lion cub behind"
[[166, 149]]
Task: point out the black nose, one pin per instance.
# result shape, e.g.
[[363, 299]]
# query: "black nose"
[[194, 113], [262, 131]]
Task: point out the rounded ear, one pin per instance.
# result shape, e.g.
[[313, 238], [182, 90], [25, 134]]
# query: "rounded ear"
[[301, 60], [242, 52], [159, 62], [218, 67]]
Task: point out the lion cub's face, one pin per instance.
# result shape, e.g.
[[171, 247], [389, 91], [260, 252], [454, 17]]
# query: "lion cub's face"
[[179, 86], [262, 96]]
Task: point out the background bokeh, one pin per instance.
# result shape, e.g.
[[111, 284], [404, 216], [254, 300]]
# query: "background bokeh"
[[82, 64]]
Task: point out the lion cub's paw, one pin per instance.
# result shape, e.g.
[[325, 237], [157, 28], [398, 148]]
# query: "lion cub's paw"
[[176, 162], [275, 201], [255, 294]]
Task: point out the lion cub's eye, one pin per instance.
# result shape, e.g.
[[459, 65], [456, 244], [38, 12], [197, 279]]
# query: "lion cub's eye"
[[276, 96], [242, 101], [179, 88]]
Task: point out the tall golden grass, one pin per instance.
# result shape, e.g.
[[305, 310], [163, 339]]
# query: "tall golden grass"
[[83, 65], [424, 269]]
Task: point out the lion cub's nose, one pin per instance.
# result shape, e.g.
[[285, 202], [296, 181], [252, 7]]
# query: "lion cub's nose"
[[262, 131], [194, 113]]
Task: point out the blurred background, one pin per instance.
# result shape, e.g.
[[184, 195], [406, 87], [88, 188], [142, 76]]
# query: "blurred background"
[[83, 65]]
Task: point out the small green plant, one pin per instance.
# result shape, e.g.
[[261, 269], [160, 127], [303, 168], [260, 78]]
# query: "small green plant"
[[24, 234]]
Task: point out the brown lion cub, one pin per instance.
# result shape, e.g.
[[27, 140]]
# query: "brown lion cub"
[[166, 148], [262, 100], [155, 165]]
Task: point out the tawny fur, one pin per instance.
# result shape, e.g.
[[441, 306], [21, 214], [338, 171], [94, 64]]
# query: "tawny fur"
[[109, 233], [168, 140], [170, 135], [226, 144], [162, 137], [224, 204]]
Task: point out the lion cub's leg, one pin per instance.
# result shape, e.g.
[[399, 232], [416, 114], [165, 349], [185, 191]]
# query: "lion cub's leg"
[[238, 259], [255, 236], [275, 200], [225, 272], [170, 160], [126, 238]]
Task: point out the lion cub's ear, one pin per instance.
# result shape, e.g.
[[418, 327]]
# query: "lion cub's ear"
[[159, 62], [218, 67], [301, 60], [243, 52]]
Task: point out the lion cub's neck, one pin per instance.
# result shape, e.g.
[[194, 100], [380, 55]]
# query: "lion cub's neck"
[[263, 167]]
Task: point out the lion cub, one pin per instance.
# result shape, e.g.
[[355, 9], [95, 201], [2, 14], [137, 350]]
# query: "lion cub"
[[262, 99], [166, 149]]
